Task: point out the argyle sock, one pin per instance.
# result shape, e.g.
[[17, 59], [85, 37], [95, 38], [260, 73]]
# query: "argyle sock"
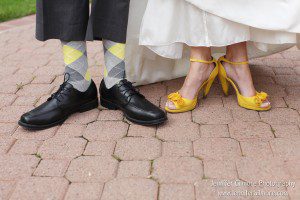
[[114, 56], [76, 63]]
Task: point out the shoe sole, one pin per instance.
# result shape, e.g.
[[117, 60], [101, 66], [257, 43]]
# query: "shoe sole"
[[85, 107], [111, 106]]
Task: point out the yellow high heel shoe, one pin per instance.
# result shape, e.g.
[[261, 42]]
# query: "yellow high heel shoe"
[[252, 103], [183, 104]]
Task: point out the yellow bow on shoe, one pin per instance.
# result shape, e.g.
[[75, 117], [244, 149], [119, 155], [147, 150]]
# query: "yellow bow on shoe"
[[176, 98], [260, 97]]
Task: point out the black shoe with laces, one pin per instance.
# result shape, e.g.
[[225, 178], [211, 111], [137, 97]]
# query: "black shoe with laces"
[[65, 102], [136, 108]]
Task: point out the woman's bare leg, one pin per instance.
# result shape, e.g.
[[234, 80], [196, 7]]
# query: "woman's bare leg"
[[241, 73], [198, 73]]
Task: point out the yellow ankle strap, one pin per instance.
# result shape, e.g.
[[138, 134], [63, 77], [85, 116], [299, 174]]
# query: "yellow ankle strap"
[[203, 61], [230, 62]]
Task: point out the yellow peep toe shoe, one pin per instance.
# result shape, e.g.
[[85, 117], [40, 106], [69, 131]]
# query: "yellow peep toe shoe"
[[183, 104], [252, 103]]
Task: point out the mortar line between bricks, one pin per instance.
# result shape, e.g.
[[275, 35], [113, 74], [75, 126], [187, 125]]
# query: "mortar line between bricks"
[[13, 143]]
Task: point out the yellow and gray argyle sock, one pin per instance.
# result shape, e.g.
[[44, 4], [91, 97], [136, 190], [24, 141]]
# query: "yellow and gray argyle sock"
[[76, 62], [114, 56]]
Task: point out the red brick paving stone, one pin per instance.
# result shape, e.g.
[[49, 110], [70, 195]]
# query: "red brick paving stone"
[[212, 115], [25, 101], [207, 190], [297, 70], [153, 90], [285, 148], [293, 55], [288, 80], [25, 147], [292, 168], [22, 133], [17, 166], [294, 193], [272, 89], [92, 169], [293, 102], [8, 89], [54, 70], [3, 27], [71, 130], [40, 188], [177, 169], [110, 115], [217, 149], [84, 191], [17, 79], [53, 168], [5, 143], [178, 128], [254, 169], [280, 62], [43, 79], [220, 169], [245, 115], [284, 71], [99, 148], [36, 90], [130, 189], [230, 102], [256, 148], [286, 131], [7, 128], [211, 102], [7, 99], [131, 148], [129, 169], [208, 131], [293, 91], [141, 131], [6, 188], [24, 70], [215, 90], [105, 130], [177, 149], [243, 131], [83, 118], [263, 80], [260, 70], [38, 61], [18, 57], [13, 113], [277, 102], [176, 192], [62, 147], [280, 116]]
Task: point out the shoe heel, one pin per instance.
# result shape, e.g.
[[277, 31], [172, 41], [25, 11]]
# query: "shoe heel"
[[207, 88], [89, 106], [224, 84], [106, 104]]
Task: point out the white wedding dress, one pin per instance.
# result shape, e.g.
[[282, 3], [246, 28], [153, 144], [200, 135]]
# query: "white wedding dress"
[[160, 31]]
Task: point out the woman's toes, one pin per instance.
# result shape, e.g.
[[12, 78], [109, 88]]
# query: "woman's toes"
[[265, 104], [170, 105]]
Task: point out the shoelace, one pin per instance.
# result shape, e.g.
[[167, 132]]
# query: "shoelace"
[[129, 90], [61, 90]]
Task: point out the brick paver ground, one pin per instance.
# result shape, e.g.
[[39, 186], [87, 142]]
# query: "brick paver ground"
[[99, 155]]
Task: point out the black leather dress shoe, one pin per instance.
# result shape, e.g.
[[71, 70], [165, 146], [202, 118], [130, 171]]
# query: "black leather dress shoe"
[[136, 107], [60, 106]]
